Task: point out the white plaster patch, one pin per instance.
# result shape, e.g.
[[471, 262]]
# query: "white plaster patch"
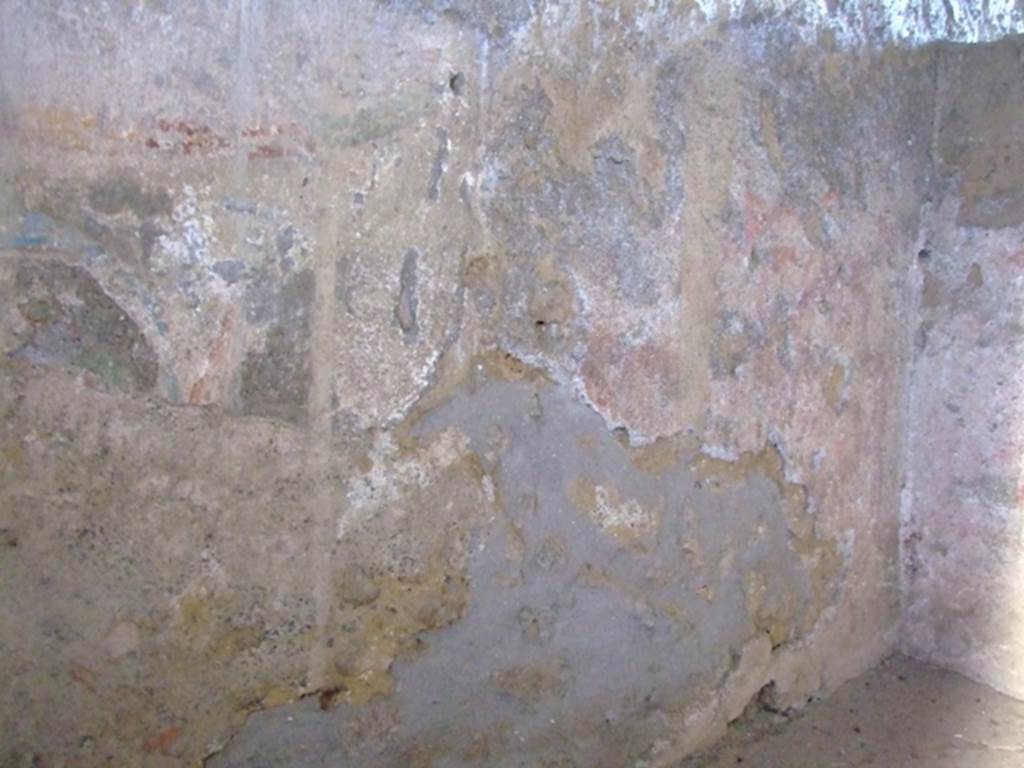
[[910, 22], [853, 24], [616, 516], [390, 475]]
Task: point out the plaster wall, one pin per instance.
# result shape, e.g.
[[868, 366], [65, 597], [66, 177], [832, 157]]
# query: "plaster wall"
[[443, 385], [962, 540]]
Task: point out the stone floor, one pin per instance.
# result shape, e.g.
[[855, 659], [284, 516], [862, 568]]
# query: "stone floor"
[[902, 713]]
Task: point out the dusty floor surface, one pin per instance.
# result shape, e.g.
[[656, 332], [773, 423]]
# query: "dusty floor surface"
[[902, 713]]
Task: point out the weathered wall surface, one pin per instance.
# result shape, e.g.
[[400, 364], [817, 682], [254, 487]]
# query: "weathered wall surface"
[[963, 516], [428, 384]]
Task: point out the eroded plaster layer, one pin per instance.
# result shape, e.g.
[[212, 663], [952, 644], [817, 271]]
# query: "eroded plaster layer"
[[444, 385]]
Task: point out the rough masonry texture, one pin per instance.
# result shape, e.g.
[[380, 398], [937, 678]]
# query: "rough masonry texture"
[[963, 535], [440, 384]]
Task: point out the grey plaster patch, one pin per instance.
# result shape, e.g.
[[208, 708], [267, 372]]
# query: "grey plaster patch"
[[526, 652]]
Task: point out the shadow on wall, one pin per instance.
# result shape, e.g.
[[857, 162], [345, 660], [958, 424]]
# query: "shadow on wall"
[[963, 527]]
